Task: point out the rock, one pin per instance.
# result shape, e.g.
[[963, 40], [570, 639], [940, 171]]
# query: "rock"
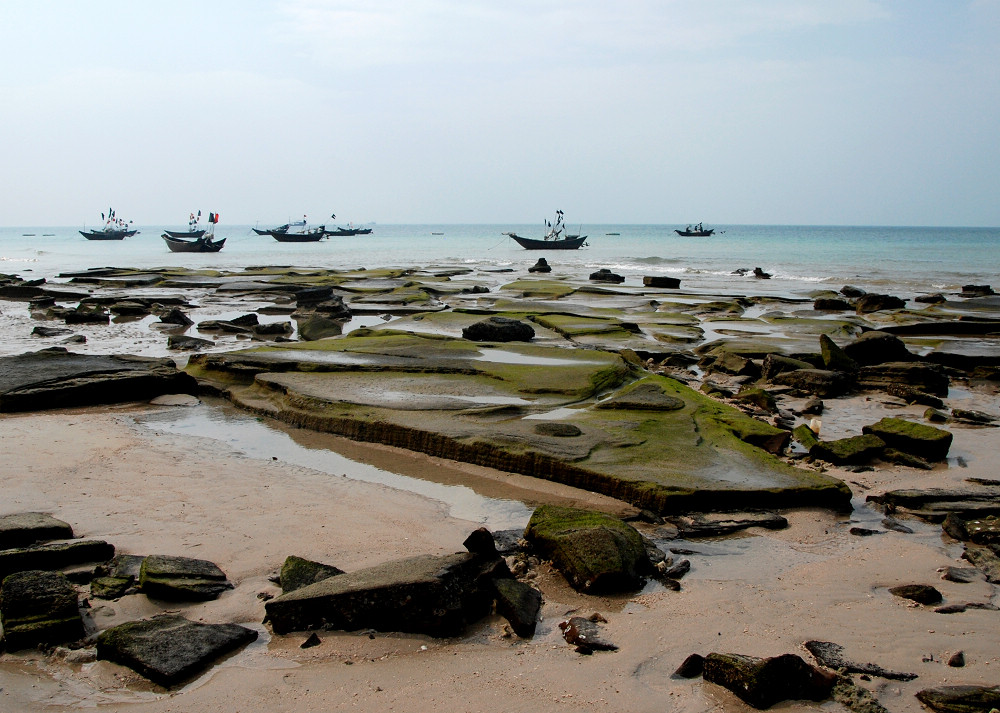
[[830, 655], [985, 560], [41, 331], [875, 303], [915, 438], [678, 570], [308, 296], [707, 525], [38, 607], [920, 593], [86, 315], [176, 317], [961, 699], [935, 298], [812, 407], [182, 342], [935, 416], [760, 274], [170, 649], [775, 364], [912, 376], [520, 604], [54, 555], [974, 417], [820, 382], [541, 266], [730, 363], [427, 594], [481, 542], [27, 528], [912, 395], [499, 329], [594, 551], [852, 450], [832, 304], [585, 635], [691, 667], [893, 455], [644, 397], [56, 378], [981, 531], [764, 682], [605, 275], [127, 308], [877, 348], [318, 327], [181, 579], [110, 587], [311, 640], [557, 429], [273, 329], [957, 659], [333, 308], [835, 358], [852, 292], [757, 397], [805, 436], [961, 575], [976, 291], [670, 283], [297, 572]]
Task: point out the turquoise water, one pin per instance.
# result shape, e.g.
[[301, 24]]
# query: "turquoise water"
[[900, 260]]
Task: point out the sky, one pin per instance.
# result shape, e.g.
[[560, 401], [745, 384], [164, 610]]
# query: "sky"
[[802, 112]]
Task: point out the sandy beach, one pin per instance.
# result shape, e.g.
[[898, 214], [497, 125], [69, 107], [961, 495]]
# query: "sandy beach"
[[763, 593]]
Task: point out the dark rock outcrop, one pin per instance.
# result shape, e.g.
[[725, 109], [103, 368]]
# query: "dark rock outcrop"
[[27, 528], [519, 604], [38, 607], [176, 317], [832, 304], [961, 699], [928, 378], [605, 275], [297, 572], [54, 555], [56, 378], [181, 578], [849, 451], [541, 266], [877, 348], [760, 274], [670, 283], [319, 327], [919, 593], [820, 382], [170, 649], [499, 329], [875, 303], [919, 439], [183, 342], [764, 682], [775, 364], [594, 551], [427, 594], [835, 358]]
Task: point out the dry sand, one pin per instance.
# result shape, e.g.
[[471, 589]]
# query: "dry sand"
[[763, 594]]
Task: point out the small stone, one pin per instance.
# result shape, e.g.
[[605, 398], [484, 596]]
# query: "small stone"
[[313, 640], [957, 659]]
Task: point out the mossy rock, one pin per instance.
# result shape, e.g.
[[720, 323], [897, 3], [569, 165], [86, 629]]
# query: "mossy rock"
[[594, 551], [805, 435], [918, 439], [38, 607], [834, 358], [757, 397], [847, 451], [520, 604], [181, 578], [110, 587], [297, 572]]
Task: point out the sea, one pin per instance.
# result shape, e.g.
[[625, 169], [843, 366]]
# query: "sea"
[[904, 261]]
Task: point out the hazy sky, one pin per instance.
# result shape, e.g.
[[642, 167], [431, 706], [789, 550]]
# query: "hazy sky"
[[882, 112]]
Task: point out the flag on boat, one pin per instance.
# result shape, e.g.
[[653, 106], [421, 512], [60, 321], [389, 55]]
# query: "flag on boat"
[[213, 217]]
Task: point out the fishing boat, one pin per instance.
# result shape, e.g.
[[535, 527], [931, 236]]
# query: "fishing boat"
[[195, 241], [271, 231], [555, 239], [115, 228], [345, 232], [193, 230], [305, 236], [698, 231]]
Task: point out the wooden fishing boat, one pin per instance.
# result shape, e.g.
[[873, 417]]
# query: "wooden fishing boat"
[[698, 231], [555, 239], [307, 236], [196, 245], [107, 234], [191, 234]]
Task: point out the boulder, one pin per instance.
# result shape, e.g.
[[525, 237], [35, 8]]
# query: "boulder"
[[835, 358], [170, 649], [875, 303], [961, 699], [849, 451], [57, 378], [764, 682], [541, 266], [86, 315], [976, 291], [26, 528], [128, 308], [333, 308], [585, 635], [935, 298], [309, 296], [54, 555], [520, 604], [176, 317], [760, 274], [594, 551], [757, 397], [832, 304], [730, 363], [426, 594], [670, 283], [182, 342], [499, 329], [319, 327], [297, 572], [912, 395], [605, 275], [980, 530], [877, 348], [919, 439], [805, 435], [41, 331], [912, 376], [919, 593], [812, 407], [852, 292], [181, 579], [820, 382], [38, 607], [775, 364]]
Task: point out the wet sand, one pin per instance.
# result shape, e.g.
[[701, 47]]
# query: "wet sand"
[[152, 490]]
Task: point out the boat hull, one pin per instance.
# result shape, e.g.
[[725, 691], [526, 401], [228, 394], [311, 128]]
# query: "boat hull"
[[347, 232], [184, 233], [107, 234], [198, 245], [563, 244], [298, 237]]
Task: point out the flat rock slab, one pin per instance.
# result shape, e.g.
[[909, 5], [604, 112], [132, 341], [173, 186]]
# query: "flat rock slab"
[[54, 555], [56, 378], [181, 578], [38, 607], [961, 699], [170, 649], [26, 528], [427, 594]]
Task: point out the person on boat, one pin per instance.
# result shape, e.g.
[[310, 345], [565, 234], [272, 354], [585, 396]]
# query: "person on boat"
[[305, 225]]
